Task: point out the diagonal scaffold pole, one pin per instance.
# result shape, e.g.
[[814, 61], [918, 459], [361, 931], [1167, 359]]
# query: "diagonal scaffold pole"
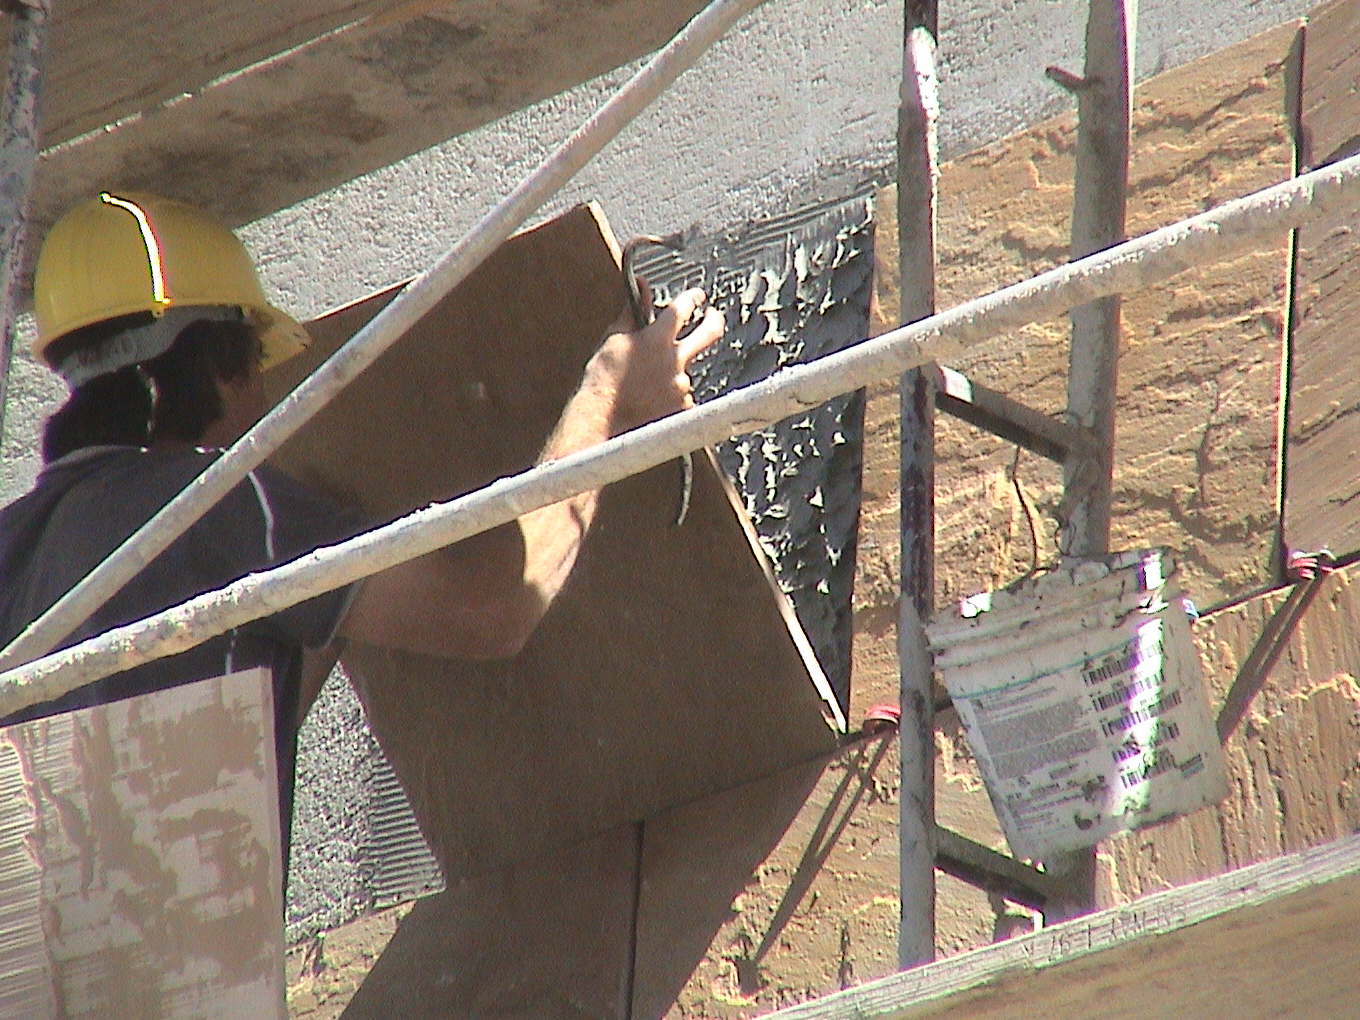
[[1221, 233], [422, 294], [18, 155]]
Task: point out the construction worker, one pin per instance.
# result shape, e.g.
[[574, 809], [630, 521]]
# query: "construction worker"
[[151, 312]]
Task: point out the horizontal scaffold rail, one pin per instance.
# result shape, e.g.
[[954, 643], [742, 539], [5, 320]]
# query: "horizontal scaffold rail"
[[1231, 228], [389, 325]]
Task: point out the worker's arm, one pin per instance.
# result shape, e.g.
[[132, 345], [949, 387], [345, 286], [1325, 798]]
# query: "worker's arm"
[[482, 598]]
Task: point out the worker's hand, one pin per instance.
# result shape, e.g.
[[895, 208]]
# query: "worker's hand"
[[646, 370]]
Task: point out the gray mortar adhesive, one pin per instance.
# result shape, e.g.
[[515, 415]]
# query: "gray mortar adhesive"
[[793, 289]]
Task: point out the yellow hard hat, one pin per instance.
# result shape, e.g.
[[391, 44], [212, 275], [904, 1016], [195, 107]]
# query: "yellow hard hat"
[[121, 254]]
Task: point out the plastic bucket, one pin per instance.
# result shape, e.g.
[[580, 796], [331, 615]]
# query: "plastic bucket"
[[1081, 696]]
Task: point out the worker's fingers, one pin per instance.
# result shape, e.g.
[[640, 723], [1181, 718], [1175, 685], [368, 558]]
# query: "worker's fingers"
[[644, 290], [705, 334], [682, 309], [625, 321]]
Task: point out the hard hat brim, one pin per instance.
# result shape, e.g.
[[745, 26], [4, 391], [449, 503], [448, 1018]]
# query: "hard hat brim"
[[281, 336]]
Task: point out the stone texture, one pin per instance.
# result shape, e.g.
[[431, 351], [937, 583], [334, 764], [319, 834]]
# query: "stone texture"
[[1294, 761]]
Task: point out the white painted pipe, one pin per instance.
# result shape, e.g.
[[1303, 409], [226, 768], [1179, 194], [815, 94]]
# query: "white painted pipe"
[[422, 294], [1220, 233]]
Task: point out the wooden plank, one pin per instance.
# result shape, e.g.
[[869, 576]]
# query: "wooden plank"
[[1277, 940], [1322, 451], [140, 861], [177, 98], [112, 59], [669, 668]]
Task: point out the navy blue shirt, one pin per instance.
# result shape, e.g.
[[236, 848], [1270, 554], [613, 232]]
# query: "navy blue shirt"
[[87, 503]]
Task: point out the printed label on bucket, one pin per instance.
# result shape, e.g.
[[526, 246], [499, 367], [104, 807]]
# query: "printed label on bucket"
[[1094, 733]]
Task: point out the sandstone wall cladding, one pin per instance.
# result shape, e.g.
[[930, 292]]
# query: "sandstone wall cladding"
[[1195, 465], [1199, 362], [1195, 471]]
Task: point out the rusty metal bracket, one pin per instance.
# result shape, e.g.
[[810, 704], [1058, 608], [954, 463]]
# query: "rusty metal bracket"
[[1265, 653], [993, 872], [1065, 79], [1013, 421]]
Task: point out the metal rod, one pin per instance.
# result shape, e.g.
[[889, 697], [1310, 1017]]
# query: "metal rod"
[[985, 868], [18, 154], [1219, 233], [998, 414], [916, 807], [1293, 103], [1099, 201], [380, 333], [1264, 654], [917, 182]]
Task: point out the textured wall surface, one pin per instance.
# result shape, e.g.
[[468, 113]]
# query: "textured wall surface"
[[1198, 390], [798, 104], [33, 394], [793, 288], [356, 846], [1198, 412], [1199, 358]]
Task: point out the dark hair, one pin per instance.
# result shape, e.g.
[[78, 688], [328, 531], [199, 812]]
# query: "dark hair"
[[172, 396]]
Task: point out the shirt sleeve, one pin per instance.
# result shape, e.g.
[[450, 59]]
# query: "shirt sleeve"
[[290, 520]]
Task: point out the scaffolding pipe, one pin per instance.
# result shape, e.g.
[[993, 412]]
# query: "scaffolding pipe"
[[917, 183], [18, 154], [1221, 233], [1099, 206], [422, 294]]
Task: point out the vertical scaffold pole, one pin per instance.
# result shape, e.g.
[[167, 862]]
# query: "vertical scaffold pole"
[[18, 154], [1104, 110], [917, 173]]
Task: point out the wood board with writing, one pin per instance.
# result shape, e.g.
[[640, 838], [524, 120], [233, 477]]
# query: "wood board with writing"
[[1273, 941]]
